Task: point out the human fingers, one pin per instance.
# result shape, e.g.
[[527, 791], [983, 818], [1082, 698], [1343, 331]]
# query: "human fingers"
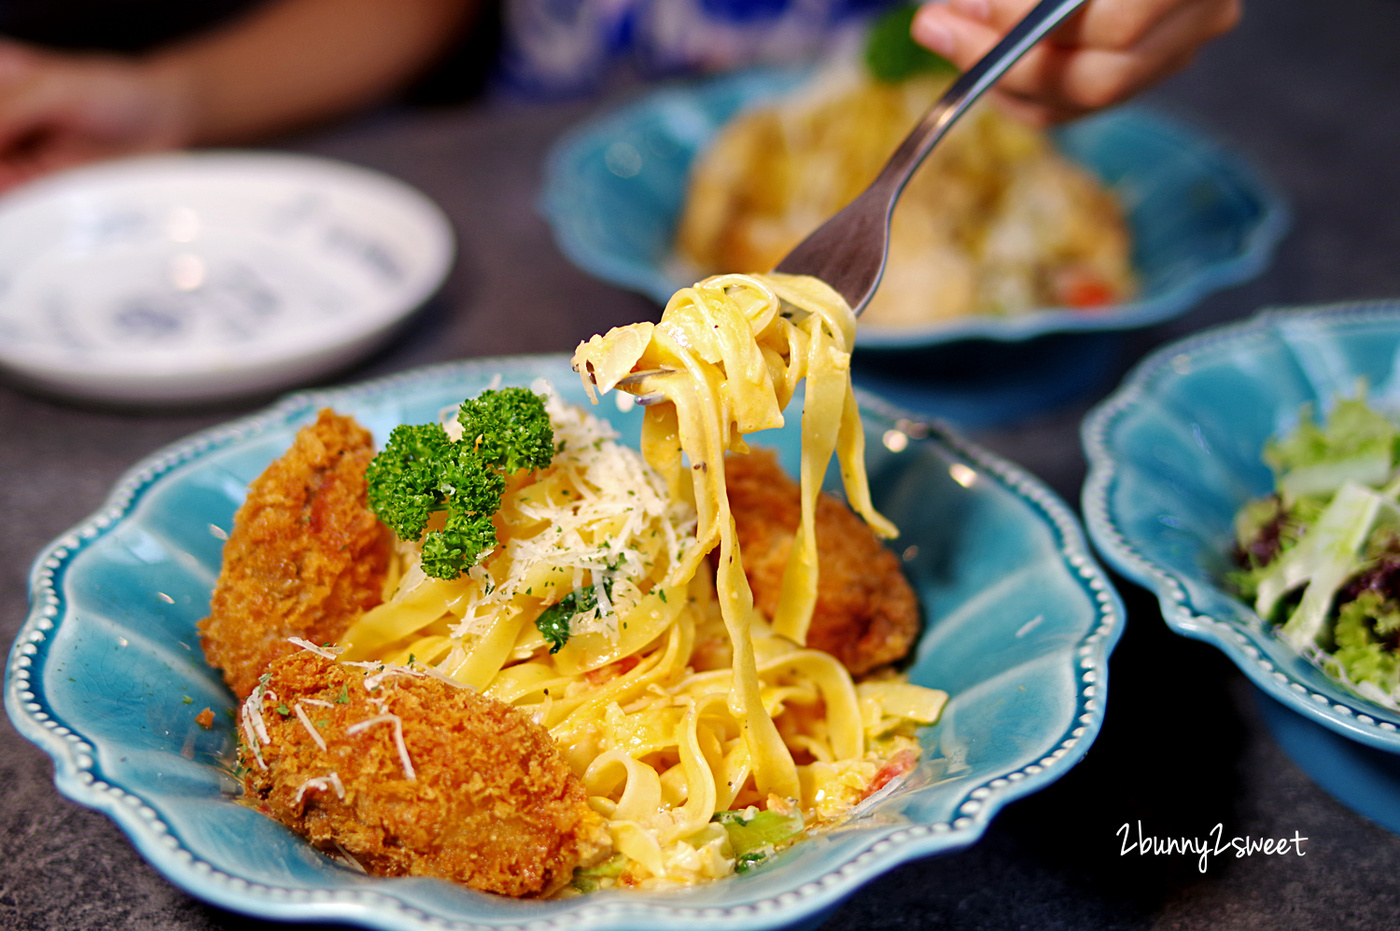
[[28, 104], [69, 110], [22, 165], [110, 105], [32, 156], [1063, 86], [1111, 25], [1037, 109], [1067, 80], [17, 62], [32, 88]]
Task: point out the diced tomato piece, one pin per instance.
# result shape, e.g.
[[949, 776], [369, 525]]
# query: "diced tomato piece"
[[1084, 293], [896, 766]]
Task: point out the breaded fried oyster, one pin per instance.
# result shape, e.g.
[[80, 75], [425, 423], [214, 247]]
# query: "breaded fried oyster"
[[305, 556], [866, 614], [414, 776]]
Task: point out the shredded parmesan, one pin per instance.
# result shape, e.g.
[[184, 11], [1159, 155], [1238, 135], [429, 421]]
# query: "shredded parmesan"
[[307, 645], [433, 673], [600, 535], [254, 728], [310, 728], [362, 664], [348, 858], [252, 711], [321, 784], [252, 742], [375, 681], [395, 720]]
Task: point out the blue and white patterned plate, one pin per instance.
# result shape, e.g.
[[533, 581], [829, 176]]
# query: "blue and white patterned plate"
[[107, 677], [196, 277], [1201, 217], [1173, 455]]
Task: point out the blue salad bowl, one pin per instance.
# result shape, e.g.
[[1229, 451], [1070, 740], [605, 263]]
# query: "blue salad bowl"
[[107, 676], [1175, 453], [1200, 216]]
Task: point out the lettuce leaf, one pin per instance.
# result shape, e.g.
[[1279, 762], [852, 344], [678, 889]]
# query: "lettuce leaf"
[[1365, 633], [1331, 552], [1321, 556], [1356, 444]]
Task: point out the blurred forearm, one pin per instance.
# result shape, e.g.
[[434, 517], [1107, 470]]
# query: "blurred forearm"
[[302, 61]]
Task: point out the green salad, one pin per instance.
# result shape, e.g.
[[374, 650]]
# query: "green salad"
[[1320, 557]]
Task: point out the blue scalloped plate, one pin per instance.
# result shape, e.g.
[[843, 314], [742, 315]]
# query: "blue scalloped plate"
[[1174, 454], [107, 677], [1202, 219]]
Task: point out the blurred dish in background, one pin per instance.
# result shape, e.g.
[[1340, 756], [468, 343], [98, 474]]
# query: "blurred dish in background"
[[1200, 217], [1176, 452], [179, 279], [995, 222]]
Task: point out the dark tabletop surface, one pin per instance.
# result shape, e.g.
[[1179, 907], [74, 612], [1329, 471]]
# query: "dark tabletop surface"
[[1309, 91]]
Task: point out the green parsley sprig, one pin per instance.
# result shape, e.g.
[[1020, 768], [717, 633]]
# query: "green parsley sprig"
[[422, 471]]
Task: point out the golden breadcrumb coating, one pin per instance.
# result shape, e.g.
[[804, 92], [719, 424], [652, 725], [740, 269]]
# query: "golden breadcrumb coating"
[[479, 793], [866, 614], [305, 556]]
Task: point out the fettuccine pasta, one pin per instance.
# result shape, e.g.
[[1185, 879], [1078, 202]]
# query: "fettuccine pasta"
[[673, 698]]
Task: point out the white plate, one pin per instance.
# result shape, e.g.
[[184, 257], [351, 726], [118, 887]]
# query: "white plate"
[[207, 276]]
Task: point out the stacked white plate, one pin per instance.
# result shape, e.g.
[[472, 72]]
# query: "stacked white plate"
[[198, 277]]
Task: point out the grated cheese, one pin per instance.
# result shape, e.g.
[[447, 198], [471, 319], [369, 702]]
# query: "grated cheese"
[[321, 784], [375, 681], [310, 728], [323, 652], [339, 786], [596, 536], [395, 720], [254, 728]]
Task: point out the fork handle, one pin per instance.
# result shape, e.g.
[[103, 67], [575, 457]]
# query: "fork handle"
[[967, 88]]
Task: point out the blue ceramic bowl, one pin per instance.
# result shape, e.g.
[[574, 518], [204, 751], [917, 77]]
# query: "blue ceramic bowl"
[[107, 676], [1201, 218], [1175, 453]]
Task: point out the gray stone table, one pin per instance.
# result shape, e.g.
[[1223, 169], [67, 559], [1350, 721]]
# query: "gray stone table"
[[1309, 91]]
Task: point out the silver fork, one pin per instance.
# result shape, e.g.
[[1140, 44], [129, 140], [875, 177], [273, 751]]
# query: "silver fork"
[[848, 251]]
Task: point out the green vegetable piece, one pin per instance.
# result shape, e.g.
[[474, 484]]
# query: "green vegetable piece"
[[403, 490], [554, 621], [1364, 629], [745, 862], [1330, 553], [587, 878], [508, 428], [758, 832], [892, 55], [422, 471], [1355, 444]]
